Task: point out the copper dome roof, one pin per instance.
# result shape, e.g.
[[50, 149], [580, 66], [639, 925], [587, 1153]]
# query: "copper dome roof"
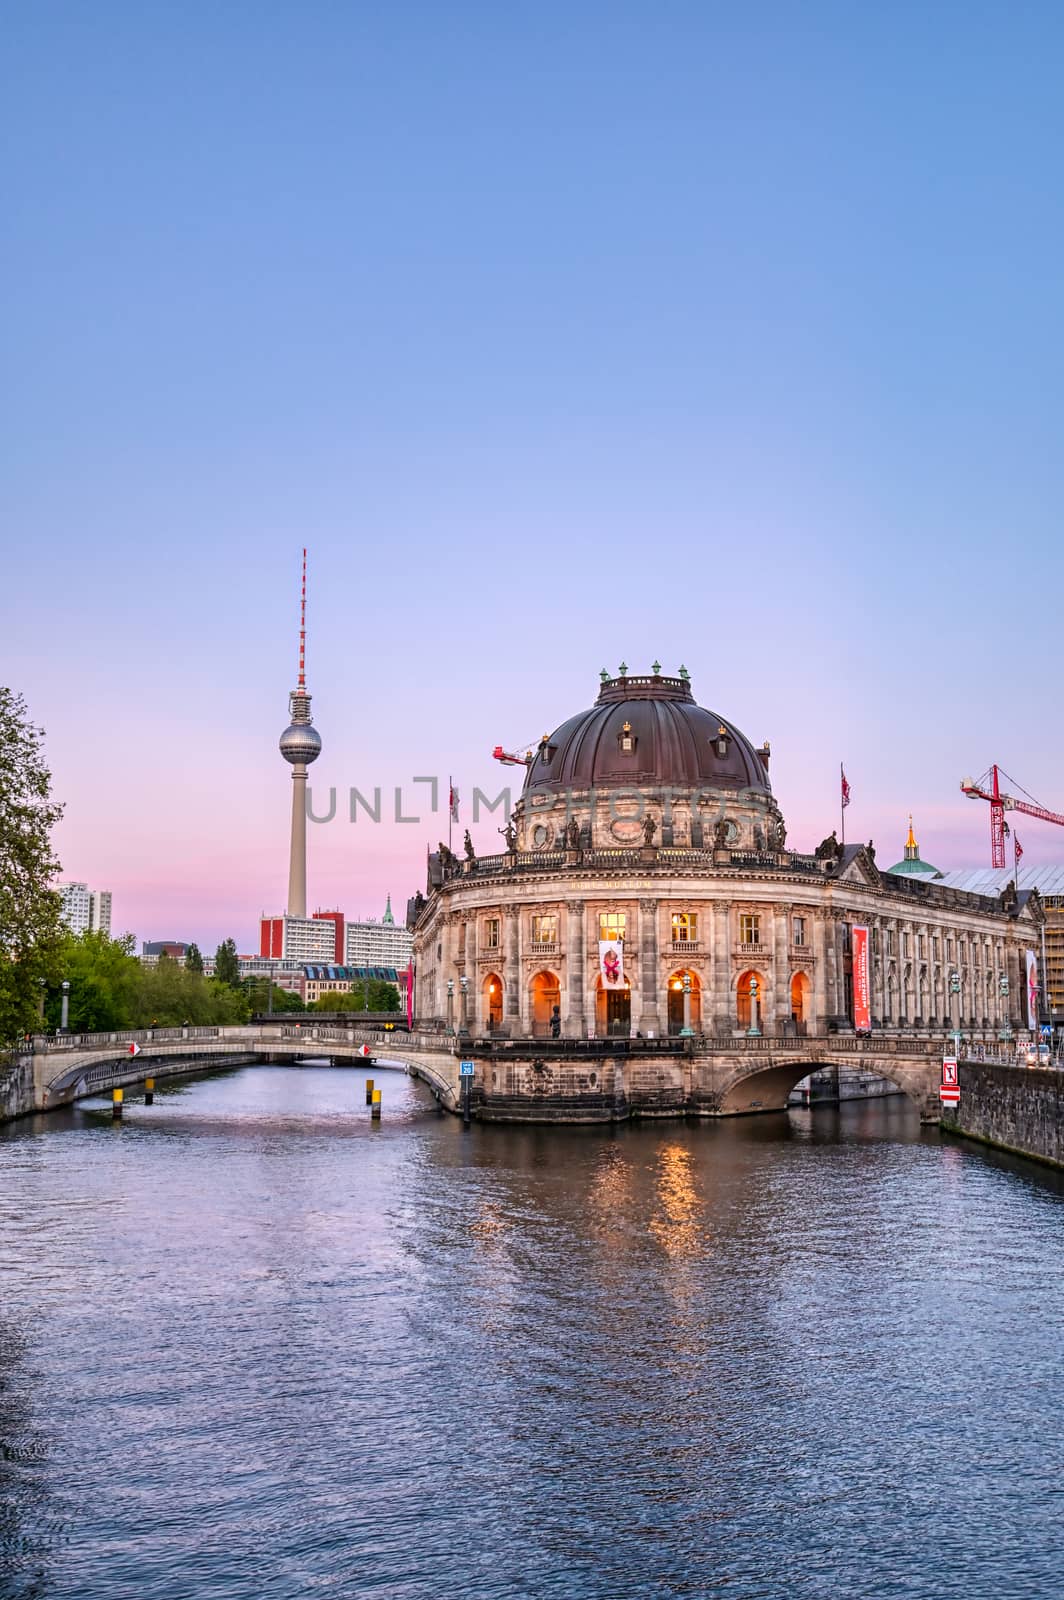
[[647, 731]]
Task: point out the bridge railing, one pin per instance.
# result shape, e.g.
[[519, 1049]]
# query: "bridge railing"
[[99, 1041]]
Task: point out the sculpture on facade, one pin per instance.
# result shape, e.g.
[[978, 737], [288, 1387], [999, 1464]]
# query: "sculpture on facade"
[[509, 833], [759, 836], [572, 834], [650, 828], [720, 834], [828, 849], [870, 847], [447, 857], [467, 846], [779, 834]]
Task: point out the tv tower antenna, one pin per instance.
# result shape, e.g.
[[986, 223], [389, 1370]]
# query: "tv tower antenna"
[[300, 745]]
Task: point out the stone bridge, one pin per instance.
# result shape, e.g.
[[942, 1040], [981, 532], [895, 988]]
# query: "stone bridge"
[[594, 1080]]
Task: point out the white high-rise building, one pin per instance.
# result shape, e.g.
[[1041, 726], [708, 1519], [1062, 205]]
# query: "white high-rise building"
[[378, 944], [76, 908], [100, 911]]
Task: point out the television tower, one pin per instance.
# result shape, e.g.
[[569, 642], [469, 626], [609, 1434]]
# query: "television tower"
[[300, 745]]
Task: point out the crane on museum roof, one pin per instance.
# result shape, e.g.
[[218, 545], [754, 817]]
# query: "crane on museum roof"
[[989, 788], [510, 758]]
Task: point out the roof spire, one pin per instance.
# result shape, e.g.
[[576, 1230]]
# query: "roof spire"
[[912, 849], [388, 911]]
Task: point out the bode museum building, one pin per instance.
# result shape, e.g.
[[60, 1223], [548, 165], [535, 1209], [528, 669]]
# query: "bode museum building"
[[647, 889]]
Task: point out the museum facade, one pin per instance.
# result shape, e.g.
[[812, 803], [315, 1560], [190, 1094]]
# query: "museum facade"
[[647, 889]]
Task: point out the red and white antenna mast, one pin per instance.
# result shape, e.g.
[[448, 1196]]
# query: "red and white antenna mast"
[[303, 626]]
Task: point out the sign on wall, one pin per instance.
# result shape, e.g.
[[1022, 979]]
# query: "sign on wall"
[[862, 980], [1032, 989], [950, 1090], [611, 963]]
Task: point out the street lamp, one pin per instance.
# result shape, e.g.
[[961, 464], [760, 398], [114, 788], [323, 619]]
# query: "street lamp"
[[463, 983], [955, 989], [753, 1031], [687, 1029], [63, 1028], [450, 1005]]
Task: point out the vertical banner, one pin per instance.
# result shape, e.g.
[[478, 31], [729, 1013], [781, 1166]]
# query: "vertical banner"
[[862, 984], [1032, 989], [410, 993], [611, 964]]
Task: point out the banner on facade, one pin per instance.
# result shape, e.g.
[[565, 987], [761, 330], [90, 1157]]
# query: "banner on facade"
[[1032, 989], [611, 964], [862, 984]]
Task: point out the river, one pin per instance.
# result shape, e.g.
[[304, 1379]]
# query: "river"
[[253, 1346]]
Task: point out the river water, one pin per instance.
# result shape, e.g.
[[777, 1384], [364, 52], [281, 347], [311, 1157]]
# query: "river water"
[[252, 1346]]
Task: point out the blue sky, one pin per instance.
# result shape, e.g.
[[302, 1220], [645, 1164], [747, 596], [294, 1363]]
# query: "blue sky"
[[560, 335]]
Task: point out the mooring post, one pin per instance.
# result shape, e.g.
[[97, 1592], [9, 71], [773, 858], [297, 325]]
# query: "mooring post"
[[116, 1103], [376, 1112], [369, 1091], [149, 1091]]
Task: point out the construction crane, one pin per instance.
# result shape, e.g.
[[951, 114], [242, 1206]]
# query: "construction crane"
[[508, 758], [999, 804]]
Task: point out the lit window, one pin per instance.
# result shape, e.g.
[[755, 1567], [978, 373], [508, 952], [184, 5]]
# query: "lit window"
[[750, 928], [545, 929], [684, 927], [491, 933], [611, 925]]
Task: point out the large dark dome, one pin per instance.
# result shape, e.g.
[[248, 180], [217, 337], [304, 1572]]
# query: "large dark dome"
[[644, 732]]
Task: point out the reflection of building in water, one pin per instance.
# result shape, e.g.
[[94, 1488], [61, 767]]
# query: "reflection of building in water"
[[648, 824]]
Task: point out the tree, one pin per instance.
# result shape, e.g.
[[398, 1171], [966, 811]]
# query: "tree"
[[29, 909], [226, 965], [104, 977], [194, 959]]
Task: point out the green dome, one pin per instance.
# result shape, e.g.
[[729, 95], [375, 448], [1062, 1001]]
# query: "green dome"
[[912, 866]]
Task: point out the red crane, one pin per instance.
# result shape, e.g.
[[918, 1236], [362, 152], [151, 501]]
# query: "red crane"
[[999, 804], [508, 758]]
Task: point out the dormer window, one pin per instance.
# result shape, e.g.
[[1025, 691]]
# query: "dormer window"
[[626, 739], [722, 741]]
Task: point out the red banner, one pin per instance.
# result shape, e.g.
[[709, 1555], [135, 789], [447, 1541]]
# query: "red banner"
[[862, 983]]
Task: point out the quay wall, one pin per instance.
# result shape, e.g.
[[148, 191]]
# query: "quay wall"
[[1020, 1109]]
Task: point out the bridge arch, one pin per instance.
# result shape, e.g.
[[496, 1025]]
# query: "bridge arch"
[[742, 998], [766, 1085]]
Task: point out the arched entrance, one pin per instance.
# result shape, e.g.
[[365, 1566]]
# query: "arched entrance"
[[675, 998], [546, 995], [800, 992], [613, 1010], [492, 998], [742, 1000]]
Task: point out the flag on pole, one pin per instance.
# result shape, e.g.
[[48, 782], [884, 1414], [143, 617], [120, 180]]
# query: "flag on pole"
[[1017, 850], [452, 802], [845, 786]]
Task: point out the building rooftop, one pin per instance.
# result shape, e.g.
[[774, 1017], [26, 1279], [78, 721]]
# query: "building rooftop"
[[911, 865]]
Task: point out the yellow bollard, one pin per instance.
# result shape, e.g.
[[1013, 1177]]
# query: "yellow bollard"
[[376, 1112], [149, 1091], [116, 1102], [369, 1091]]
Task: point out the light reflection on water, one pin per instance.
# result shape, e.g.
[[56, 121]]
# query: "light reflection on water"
[[252, 1345]]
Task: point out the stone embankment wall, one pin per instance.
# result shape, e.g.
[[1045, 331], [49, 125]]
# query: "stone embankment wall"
[[1015, 1108], [16, 1086]]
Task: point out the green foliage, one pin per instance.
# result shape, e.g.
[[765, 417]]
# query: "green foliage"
[[226, 965], [258, 992], [382, 997], [194, 959], [111, 989], [29, 909]]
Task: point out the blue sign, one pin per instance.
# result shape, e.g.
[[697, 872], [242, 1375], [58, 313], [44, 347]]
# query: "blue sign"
[[465, 1069], [1047, 1032]]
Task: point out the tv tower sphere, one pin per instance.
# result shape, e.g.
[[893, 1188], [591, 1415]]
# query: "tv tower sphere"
[[300, 743]]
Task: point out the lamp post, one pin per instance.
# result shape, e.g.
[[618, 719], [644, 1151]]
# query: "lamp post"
[[753, 1031], [687, 1029], [450, 1005], [463, 984], [955, 989], [1006, 1031], [64, 1020], [43, 982]]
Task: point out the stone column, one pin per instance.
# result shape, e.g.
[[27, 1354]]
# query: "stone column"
[[824, 971], [575, 1026], [512, 972], [477, 1018], [721, 1014], [781, 973], [649, 999]]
